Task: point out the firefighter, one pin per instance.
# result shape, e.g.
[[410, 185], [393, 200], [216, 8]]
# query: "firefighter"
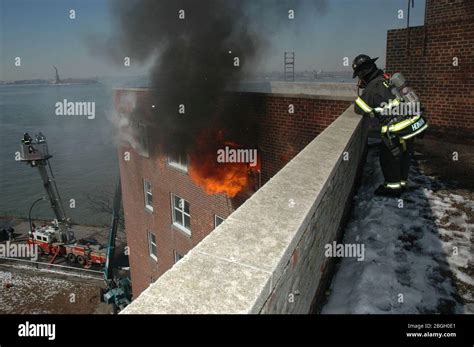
[[4, 234], [378, 99], [26, 139], [40, 138], [11, 234]]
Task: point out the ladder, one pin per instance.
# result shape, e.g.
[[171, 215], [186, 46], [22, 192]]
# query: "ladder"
[[289, 71]]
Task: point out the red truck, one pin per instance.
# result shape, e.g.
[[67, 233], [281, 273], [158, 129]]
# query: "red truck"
[[84, 252]]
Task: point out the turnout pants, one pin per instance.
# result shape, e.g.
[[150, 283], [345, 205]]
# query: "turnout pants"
[[395, 162]]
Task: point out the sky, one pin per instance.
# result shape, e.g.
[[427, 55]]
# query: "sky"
[[43, 35]]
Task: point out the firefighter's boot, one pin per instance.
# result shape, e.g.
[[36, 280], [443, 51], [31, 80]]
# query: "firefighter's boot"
[[389, 190]]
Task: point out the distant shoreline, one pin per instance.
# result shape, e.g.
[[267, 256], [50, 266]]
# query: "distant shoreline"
[[47, 83]]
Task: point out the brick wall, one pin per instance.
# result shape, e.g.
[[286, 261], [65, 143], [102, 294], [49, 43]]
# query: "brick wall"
[[438, 11], [138, 220], [281, 136], [425, 56]]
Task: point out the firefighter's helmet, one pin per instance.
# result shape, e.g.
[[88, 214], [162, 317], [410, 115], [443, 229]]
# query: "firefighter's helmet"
[[360, 62]]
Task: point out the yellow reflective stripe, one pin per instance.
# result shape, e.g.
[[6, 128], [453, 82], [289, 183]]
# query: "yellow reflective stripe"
[[361, 103], [404, 124], [403, 183], [416, 132], [401, 125], [393, 185]]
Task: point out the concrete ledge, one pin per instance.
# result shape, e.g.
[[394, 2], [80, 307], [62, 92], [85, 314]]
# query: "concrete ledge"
[[268, 256], [310, 90]]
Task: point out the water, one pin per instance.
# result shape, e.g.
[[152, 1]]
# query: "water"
[[84, 153]]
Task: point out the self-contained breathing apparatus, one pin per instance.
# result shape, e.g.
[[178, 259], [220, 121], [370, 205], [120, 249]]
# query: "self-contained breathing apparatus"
[[402, 118]]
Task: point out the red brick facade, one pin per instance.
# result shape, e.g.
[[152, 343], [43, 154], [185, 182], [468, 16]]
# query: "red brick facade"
[[439, 11], [425, 55], [281, 136]]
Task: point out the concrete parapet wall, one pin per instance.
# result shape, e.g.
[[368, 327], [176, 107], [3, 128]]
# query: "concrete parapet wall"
[[268, 255], [316, 90]]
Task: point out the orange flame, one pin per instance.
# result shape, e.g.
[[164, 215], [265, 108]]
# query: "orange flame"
[[214, 177]]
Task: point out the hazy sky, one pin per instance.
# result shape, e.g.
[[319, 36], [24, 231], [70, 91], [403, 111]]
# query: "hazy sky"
[[41, 33]]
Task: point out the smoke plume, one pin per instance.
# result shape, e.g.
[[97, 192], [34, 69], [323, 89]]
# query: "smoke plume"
[[200, 49]]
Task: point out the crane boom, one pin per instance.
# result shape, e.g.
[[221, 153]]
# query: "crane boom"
[[108, 273], [51, 191], [36, 153]]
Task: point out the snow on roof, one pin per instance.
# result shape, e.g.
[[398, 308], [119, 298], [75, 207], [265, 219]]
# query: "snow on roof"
[[409, 255]]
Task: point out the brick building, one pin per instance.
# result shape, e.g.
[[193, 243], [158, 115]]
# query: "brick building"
[[167, 214], [438, 60]]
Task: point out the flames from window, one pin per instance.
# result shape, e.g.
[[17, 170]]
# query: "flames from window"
[[216, 177]]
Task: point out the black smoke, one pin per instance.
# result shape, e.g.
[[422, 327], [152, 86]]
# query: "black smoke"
[[195, 60]]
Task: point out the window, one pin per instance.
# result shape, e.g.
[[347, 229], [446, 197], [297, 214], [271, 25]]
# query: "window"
[[178, 161], [148, 195], [217, 221], [152, 245], [181, 216], [143, 139], [177, 257]]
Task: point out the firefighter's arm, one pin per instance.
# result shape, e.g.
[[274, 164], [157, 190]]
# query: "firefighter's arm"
[[361, 107]]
